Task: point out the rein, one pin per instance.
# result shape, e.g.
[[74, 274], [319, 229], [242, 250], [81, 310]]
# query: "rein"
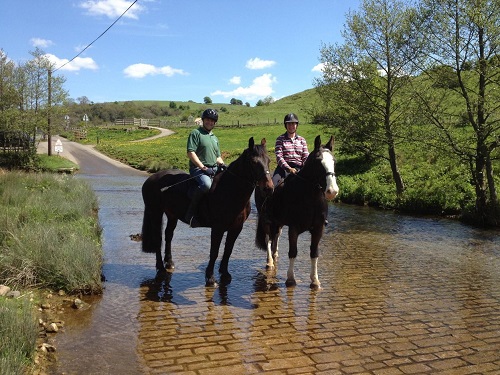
[[315, 182], [177, 183]]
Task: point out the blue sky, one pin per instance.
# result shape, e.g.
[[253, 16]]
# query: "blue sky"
[[177, 50]]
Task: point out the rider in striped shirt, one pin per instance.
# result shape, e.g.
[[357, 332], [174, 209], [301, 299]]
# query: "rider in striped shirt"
[[290, 149]]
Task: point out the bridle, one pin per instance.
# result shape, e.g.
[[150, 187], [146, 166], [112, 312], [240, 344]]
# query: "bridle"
[[316, 182], [254, 179]]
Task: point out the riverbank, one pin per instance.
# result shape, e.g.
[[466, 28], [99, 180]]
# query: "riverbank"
[[50, 241]]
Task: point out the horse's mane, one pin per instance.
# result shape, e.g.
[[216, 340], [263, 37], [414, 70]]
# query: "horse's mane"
[[259, 149], [252, 149]]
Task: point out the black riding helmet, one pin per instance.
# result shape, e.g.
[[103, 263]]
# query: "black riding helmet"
[[291, 117], [211, 114]]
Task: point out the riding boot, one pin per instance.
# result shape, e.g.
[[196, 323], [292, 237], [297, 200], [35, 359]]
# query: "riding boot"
[[190, 217]]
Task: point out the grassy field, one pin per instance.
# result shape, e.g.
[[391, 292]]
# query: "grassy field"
[[50, 239], [170, 151]]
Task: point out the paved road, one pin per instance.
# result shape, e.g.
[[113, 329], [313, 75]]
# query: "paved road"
[[90, 161]]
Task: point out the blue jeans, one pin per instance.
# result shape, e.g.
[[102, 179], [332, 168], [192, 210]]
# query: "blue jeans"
[[281, 174], [204, 182]]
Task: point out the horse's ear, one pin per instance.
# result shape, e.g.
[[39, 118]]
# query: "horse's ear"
[[251, 143], [317, 143], [329, 145], [263, 142]]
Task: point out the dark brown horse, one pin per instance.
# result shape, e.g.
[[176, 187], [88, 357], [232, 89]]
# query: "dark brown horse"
[[299, 202], [224, 208]]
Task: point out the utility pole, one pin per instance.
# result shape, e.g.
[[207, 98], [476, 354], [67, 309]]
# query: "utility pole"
[[49, 120]]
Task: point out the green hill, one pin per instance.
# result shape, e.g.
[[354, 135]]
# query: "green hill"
[[304, 104]]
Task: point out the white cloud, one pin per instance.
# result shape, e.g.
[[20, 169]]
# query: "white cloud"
[[261, 87], [257, 63], [42, 43], [142, 70], [235, 80], [77, 64], [112, 8], [318, 68]]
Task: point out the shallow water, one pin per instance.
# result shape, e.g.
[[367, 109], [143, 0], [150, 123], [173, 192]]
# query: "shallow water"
[[382, 274]]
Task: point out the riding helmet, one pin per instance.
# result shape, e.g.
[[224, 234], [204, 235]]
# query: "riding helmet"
[[210, 113], [291, 117]]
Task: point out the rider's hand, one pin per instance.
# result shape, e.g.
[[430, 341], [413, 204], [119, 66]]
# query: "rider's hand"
[[293, 171], [221, 167], [209, 172]]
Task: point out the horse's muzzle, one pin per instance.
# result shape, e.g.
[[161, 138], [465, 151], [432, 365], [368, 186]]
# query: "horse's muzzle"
[[330, 194], [266, 187]]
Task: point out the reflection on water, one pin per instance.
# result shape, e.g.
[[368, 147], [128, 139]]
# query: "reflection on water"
[[387, 280]]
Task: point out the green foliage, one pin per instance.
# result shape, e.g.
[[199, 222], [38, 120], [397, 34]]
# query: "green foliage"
[[50, 235], [235, 101], [19, 331], [18, 159]]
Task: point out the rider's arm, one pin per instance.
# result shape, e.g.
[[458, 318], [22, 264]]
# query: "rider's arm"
[[195, 160]]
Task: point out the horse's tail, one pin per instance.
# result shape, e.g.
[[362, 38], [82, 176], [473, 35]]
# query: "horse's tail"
[[260, 234], [152, 222]]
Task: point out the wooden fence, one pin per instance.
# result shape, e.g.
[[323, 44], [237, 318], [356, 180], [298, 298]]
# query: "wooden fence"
[[141, 122]]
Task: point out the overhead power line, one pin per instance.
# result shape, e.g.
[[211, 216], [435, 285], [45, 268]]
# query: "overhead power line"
[[104, 32]]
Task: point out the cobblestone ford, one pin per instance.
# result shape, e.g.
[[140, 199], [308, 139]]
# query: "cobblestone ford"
[[384, 311]]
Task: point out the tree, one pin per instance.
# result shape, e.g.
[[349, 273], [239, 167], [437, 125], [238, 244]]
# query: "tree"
[[365, 79], [268, 100], [234, 101], [207, 100], [9, 98], [42, 93], [463, 37], [83, 100]]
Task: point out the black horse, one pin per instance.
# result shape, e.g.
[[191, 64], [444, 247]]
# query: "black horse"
[[224, 208], [300, 202]]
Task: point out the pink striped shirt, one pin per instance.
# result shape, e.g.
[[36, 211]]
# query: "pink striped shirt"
[[290, 152]]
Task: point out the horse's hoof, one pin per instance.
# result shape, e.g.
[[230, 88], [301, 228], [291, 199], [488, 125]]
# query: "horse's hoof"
[[170, 267], [225, 279], [315, 285], [210, 282], [290, 283]]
